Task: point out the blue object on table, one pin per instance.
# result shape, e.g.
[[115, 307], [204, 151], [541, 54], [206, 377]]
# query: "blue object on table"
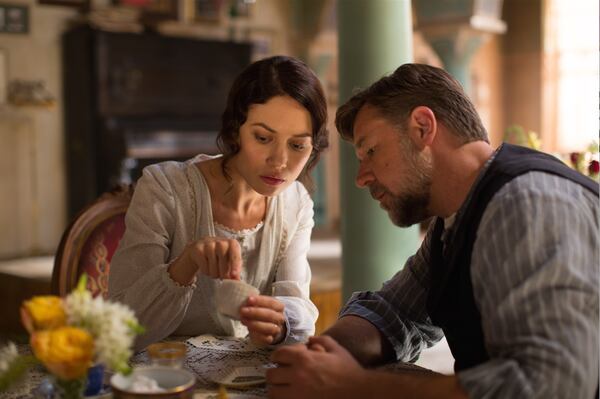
[[43, 391], [94, 380]]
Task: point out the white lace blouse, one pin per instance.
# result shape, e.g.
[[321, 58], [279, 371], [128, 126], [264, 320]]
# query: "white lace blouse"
[[171, 207]]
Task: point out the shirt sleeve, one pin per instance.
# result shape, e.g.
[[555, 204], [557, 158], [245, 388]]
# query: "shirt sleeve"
[[138, 270], [535, 279], [292, 281], [398, 310]]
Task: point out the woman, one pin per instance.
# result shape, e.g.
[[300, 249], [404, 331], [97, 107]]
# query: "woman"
[[242, 215]]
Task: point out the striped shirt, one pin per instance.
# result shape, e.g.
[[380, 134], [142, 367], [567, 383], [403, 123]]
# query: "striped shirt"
[[535, 273]]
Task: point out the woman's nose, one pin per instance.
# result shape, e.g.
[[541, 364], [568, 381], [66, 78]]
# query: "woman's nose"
[[278, 157]]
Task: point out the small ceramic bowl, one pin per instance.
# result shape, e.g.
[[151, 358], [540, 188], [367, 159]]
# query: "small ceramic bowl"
[[176, 383], [230, 295]]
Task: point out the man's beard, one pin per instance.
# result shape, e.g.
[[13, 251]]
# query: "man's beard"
[[412, 205], [409, 209]]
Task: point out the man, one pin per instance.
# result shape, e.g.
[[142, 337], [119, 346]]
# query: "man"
[[508, 270]]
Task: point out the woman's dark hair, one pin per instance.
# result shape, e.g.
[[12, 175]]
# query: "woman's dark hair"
[[257, 84], [410, 86]]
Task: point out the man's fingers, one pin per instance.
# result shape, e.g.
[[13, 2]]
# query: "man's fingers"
[[279, 392], [280, 375], [327, 343], [288, 354], [316, 347]]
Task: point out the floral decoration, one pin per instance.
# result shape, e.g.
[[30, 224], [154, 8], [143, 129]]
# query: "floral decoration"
[[70, 335], [585, 162]]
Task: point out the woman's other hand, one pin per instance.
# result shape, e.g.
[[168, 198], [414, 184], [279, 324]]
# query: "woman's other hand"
[[264, 317], [214, 257]]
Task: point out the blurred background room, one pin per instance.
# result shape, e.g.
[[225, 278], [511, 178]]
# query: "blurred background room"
[[92, 91]]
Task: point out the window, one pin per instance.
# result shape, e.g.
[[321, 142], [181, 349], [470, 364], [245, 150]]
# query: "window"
[[571, 77]]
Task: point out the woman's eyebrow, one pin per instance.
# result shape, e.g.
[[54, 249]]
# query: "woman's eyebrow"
[[270, 129], [265, 126]]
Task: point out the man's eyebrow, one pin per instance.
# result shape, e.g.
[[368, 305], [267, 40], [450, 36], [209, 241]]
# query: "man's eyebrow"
[[359, 143], [305, 134]]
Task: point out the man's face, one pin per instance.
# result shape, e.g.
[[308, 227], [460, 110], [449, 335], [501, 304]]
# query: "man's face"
[[396, 174]]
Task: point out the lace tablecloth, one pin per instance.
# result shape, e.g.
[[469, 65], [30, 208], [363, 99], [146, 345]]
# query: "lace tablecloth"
[[208, 357]]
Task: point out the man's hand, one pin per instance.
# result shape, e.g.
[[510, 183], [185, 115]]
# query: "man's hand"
[[264, 317], [320, 369]]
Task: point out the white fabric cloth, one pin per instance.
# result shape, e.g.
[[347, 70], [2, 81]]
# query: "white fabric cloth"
[[171, 207]]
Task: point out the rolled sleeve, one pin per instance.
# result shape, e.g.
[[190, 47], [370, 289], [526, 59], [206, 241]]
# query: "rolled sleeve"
[[292, 282], [398, 310]]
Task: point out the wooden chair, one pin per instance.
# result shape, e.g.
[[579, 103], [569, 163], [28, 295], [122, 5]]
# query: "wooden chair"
[[89, 242]]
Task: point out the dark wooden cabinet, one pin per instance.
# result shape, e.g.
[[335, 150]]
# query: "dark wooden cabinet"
[[135, 99]]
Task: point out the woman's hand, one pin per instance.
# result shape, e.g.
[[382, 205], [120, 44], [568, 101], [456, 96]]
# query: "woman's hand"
[[264, 317], [215, 257]]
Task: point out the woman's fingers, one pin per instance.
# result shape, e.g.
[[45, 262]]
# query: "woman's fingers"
[[211, 259], [264, 317], [222, 257], [261, 339], [262, 314], [218, 257], [262, 327], [235, 260], [264, 301]]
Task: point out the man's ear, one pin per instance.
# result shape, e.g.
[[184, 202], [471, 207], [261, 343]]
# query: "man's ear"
[[422, 126]]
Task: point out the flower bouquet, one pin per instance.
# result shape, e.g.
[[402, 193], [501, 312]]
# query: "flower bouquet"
[[586, 162], [69, 335]]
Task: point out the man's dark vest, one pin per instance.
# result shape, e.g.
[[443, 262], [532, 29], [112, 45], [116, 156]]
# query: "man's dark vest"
[[451, 304]]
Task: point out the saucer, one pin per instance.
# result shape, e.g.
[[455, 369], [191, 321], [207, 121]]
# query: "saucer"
[[242, 377]]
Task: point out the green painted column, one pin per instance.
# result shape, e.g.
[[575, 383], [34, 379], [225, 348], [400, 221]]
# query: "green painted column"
[[456, 55], [456, 29], [375, 37]]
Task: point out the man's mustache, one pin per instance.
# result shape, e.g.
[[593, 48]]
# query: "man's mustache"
[[377, 190]]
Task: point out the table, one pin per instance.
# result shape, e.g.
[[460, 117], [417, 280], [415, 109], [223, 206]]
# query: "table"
[[208, 358]]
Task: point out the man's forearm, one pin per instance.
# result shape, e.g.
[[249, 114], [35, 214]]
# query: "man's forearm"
[[416, 385], [362, 339]]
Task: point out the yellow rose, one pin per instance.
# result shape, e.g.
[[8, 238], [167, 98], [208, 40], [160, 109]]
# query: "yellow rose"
[[67, 352], [43, 312]]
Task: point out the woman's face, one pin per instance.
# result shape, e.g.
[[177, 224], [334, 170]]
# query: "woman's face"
[[275, 144]]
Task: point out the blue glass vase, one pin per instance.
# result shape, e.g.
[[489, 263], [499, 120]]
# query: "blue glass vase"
[[95, 380], [53, 388]]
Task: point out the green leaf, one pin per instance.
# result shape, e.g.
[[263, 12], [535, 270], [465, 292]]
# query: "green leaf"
[[16, 370], [82, 283]]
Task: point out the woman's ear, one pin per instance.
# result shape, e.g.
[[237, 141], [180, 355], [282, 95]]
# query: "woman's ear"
[[422, 127]]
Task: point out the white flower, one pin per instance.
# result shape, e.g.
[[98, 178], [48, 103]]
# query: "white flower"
[[8, 354], [12, 368], [113, 326]]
